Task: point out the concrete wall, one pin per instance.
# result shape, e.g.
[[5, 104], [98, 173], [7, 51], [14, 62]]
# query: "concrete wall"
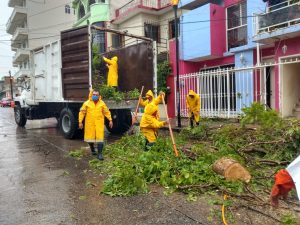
[[290, 88], [46, 19], [195, 39]]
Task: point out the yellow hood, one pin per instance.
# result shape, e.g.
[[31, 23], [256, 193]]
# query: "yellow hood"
[[115, 58], [150, 93], [191, 92]]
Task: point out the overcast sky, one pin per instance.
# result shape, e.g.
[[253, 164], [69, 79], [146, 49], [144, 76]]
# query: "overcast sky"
[[5, 53]]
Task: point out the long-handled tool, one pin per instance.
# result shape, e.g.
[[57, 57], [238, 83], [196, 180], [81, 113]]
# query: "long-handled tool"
[[134, 118], [137, 107], [170, 129]]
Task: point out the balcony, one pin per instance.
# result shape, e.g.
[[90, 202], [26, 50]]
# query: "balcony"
[[21, 55], [14, 3], [20, 35], [17, 18], [280, 21], [22, 73], [193, 4], [134, 7]]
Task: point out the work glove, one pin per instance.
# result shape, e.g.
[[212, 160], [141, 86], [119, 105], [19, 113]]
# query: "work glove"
[[283, 184]]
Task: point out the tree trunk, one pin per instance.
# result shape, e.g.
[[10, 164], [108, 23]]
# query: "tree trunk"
[[231, 170]]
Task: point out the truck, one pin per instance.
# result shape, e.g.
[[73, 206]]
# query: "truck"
[[62, 76]]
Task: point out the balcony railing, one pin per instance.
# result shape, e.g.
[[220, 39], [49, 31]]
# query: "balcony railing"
[[17, 18], [21, 55], [279, 16], [134, 4]]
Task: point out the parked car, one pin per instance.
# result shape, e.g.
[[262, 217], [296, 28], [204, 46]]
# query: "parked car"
[[5, 102]]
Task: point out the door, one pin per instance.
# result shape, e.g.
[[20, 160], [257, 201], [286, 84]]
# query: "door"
[[270, 87]]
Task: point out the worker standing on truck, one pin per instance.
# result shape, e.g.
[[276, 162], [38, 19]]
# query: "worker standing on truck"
[[93, 111], [150, 124], [193, 105], [112, 77]]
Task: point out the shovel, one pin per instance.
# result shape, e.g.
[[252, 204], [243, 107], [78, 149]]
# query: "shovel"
[[170, 129], [134, 118]]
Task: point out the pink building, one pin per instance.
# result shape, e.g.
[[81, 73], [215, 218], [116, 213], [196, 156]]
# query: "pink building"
[[218, 45]]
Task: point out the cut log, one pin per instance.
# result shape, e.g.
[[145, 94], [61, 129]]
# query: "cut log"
[[231, 170]]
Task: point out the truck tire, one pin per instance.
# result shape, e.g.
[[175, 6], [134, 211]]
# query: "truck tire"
[[122, 120], [68, 123], [20, 117]]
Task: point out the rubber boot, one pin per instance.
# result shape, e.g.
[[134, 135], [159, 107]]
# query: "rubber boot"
[[148, 146], [191, 123], [100, 150], [92, 147]]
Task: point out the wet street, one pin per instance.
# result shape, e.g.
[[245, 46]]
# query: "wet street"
[[41, 184]]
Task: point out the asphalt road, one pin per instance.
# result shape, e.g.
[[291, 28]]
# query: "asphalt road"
[[41, 184]]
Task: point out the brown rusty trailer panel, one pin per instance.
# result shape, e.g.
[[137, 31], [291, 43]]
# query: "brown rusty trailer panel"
[[135, 64], [75, 63]]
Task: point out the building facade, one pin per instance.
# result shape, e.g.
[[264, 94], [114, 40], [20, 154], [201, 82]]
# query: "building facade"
[[33, 24], [236, 52]]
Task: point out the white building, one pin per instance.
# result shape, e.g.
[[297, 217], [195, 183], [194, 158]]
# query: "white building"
[[33, 24]]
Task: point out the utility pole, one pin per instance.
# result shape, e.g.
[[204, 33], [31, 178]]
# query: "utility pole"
[[11, 85], [175, 7]]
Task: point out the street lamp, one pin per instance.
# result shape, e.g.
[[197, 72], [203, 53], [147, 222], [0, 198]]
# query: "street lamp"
[[175, 7]]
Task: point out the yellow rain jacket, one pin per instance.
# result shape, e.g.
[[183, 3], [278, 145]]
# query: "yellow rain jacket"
[[149, 123], [193, 104], [156, 101], [94, 119], [112, 77]]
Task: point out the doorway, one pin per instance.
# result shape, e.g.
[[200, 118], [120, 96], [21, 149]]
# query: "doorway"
[[270, 87]]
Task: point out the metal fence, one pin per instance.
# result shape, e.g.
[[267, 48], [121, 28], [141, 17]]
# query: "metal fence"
[[224, 92]]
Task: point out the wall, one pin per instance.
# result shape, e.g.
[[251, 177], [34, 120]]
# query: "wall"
[[115, 4], [290, 88], [191, 46], [46, 19], [293, 48], [218, 30]]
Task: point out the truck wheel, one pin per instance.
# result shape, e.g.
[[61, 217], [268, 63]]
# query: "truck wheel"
[[20, 117], [121, 119], [68, 123]]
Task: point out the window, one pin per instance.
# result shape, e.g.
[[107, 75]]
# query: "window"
[[117, 40], [67, 9], [99, 38], [237, 25], [152, 31], [81, 11], [172, 33]]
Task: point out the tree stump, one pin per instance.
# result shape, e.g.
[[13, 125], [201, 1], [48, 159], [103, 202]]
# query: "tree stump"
[[231, 170]]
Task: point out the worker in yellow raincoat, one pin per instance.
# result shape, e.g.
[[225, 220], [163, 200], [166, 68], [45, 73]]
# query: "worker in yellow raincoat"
[[193, 105], [150, 98], [93, 111], [150, 124], [112, 77]]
